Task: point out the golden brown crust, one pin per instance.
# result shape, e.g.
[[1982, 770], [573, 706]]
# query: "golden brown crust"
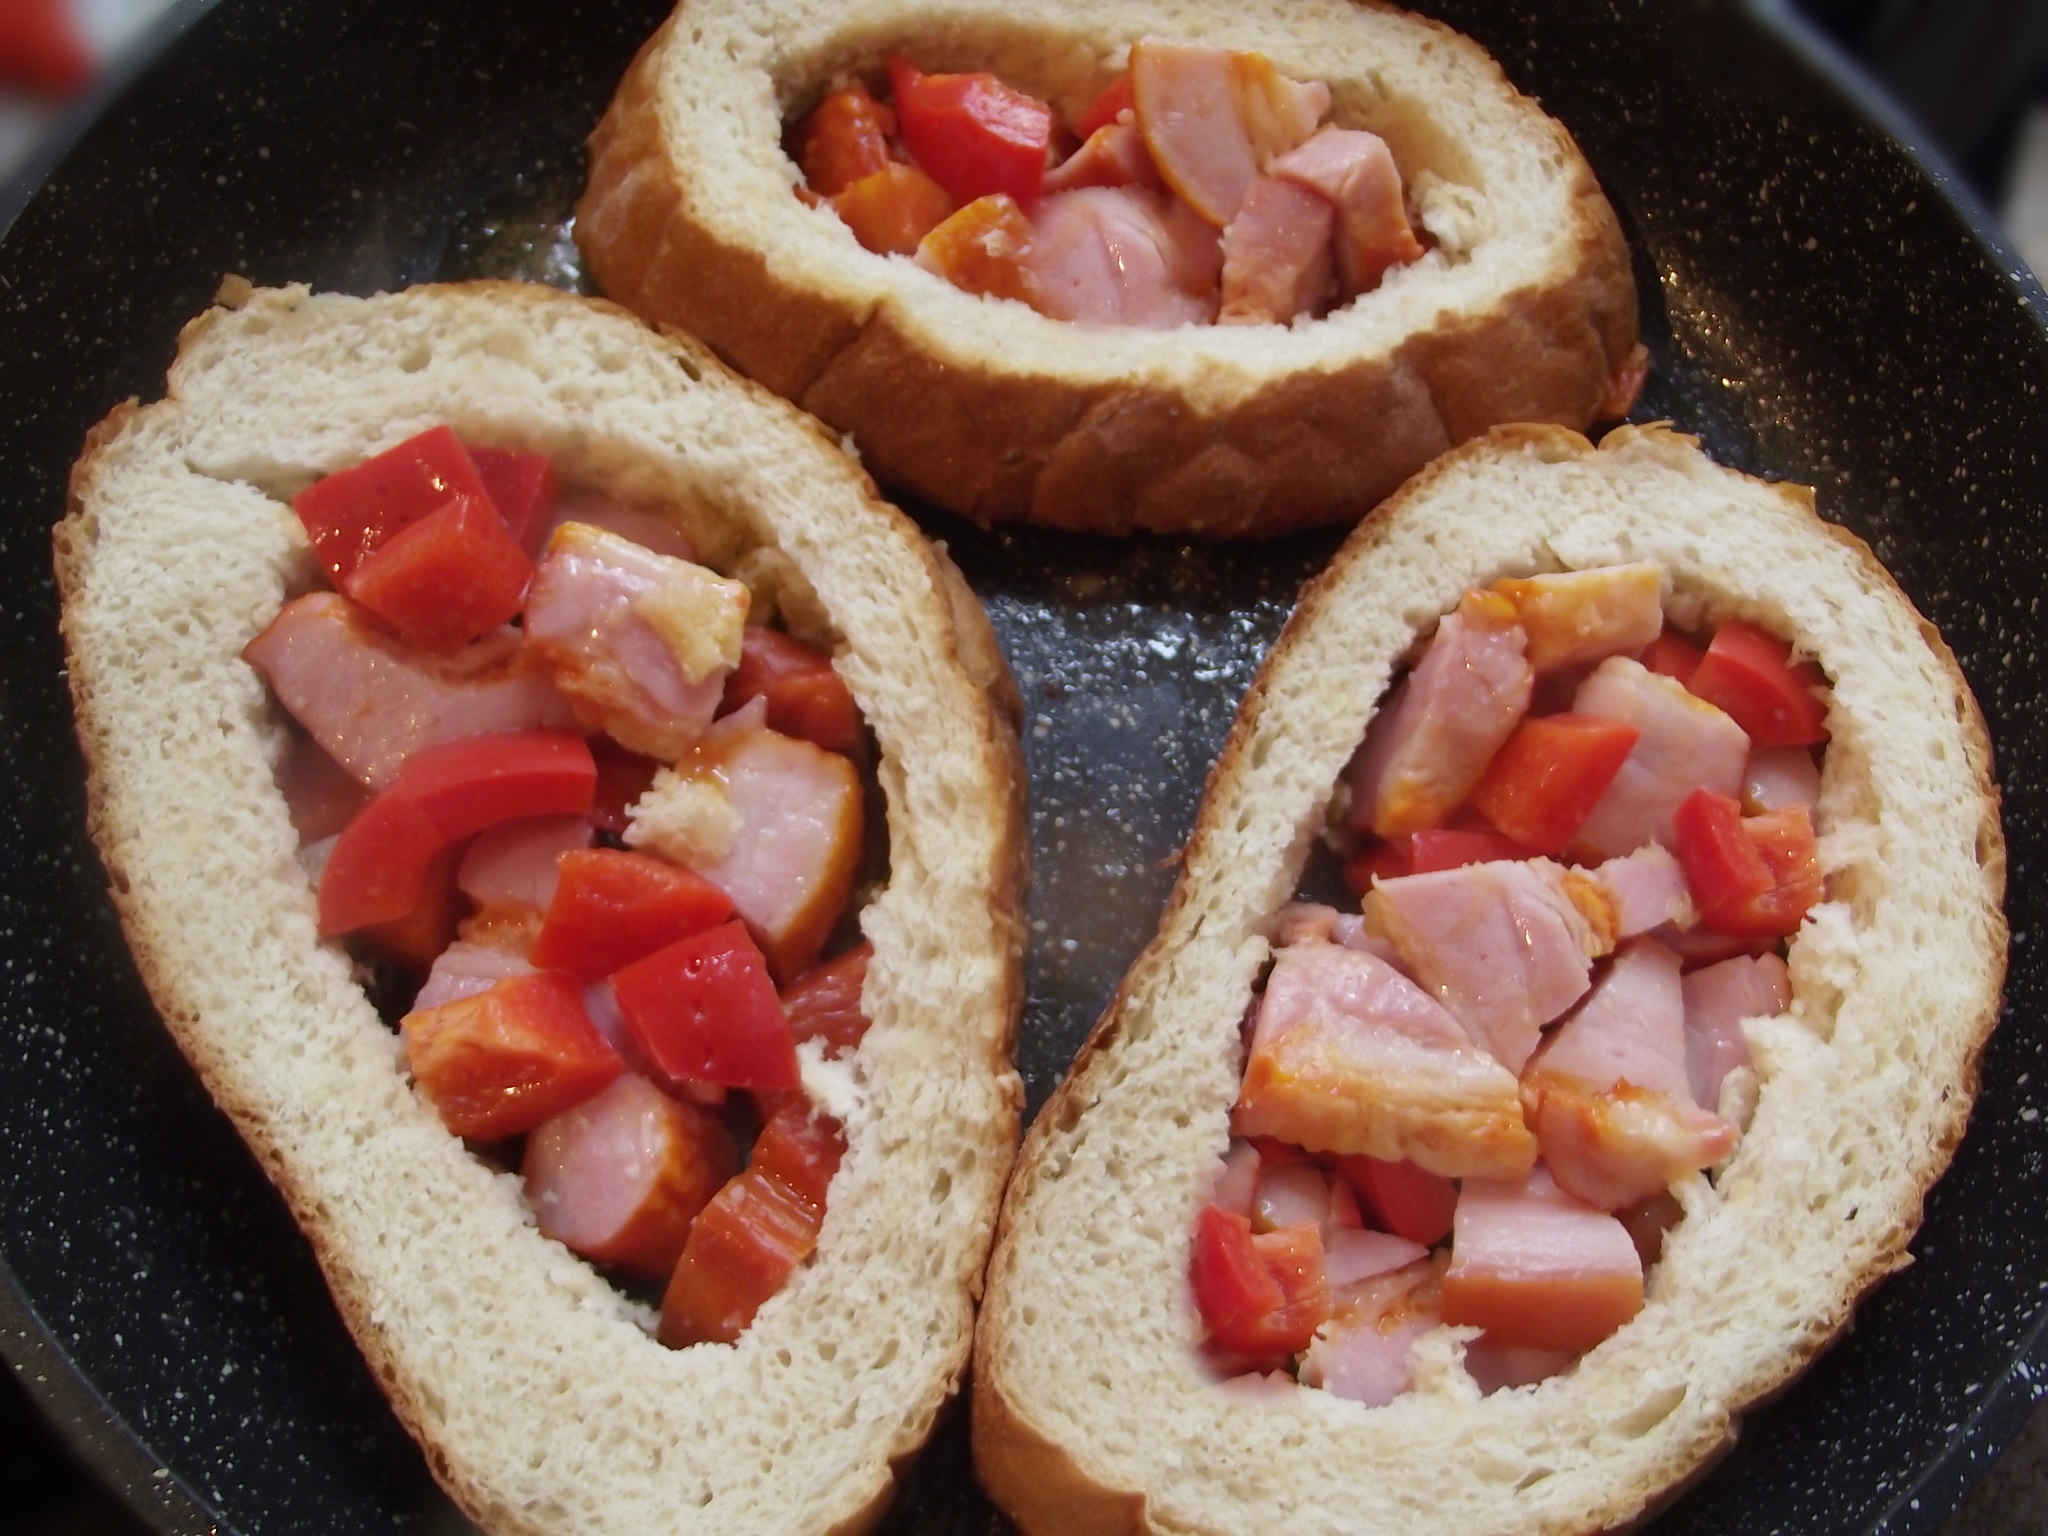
[[1159, 447]]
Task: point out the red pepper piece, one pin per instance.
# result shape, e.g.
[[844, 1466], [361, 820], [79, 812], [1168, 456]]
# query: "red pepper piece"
[[972, 134], [447, 579], [347, 515], [504, 1061], [703, 1010], [612, 908], [1749, 675], [1545, 780]]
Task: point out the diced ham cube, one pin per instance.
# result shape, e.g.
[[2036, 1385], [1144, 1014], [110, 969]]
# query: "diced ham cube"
[[641, 642], [1276, 254], [1350, 1056], [1503, 946], [1290, 1196], [1185, 101], [1493, 1366], [1355, 171], [648, 527], [1114, 155], [371, 701], [1362, 1352], [1575, 618], [1685, 743], [620, 1177], [1717, 999], [1353, 1255], [1238, 1180], [465, 969], [1278, 113], [1608, 1095], [1429, 747], [1778, 778], [514, 863], [1308, 922], [1645, 890], [1122, 256], [1537, 1268]]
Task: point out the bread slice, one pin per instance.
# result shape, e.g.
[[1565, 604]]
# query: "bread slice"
[[1522, 313], [1090, 1411], [534, 1388]]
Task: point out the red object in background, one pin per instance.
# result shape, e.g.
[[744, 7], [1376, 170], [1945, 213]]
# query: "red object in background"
[[1106, 108], [40, 49], [1751, 876], [1259, 1294], [1672, 655]]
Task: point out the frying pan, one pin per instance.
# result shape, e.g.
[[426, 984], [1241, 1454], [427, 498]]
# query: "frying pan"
[[1822, 302]]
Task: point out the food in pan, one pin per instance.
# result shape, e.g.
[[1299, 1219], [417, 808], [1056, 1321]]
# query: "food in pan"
[[1105, 1396], [535, 1384], [1520, 305]]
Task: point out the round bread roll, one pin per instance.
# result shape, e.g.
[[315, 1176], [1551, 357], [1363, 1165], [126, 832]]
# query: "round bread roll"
[[1092, 1412], [1524, 309], [536, 1390]]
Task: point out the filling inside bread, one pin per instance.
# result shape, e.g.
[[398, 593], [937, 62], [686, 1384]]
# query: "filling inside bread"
[[1579, 832], [592, 823], [1198, 186]]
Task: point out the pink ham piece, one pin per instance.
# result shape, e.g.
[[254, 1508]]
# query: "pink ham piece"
[[1504, 946], [1575, 618], [1238, 1180], [1277, 113], [370, 700], [1429, 746], [1608, 1095], [1276, 254], [322, 796], [1185, 101], [1685, 743], [464, 969], [645, 526], [790, 866], [1123, 256], [514, 863], [1355, 172], [1778, 778], [1645, 890], [620, 1177], [1363, 1352], [1349, 1055], [1352, 1255], [1113, 156], [640, 642], [1494, 1366], [1538, 1269], [1288, 1195], [1717, 999], [1311, 922]]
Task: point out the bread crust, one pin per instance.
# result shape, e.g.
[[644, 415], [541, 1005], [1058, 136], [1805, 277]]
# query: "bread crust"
[[1001, 414], [177, 548], [1867, 1083]]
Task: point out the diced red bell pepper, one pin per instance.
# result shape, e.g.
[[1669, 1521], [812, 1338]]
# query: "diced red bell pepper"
[[1435, 848], [1752, 877], [447, 579], [1545, 780], [743, 1246], [1384, 860], [1672, 655], [1114, 101], [806, 696], [845, 137], [704, 1010], [1403, 1199], [348, 514], [612, 908], [443, 794], [1258, 1295], [824, 1002], [41, 50], [415, 940], [503, 1061], [801, 1149], [523, 487], [1750, 676], [972, 134], [892, 210]]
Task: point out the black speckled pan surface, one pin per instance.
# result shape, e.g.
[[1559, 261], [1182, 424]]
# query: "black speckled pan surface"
[[1818, 307]]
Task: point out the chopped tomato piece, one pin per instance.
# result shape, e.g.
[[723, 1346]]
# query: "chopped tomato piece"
[[502, 1062], [824, 1002], [612, 908], [1672, 655], [1751, 877], [982, 248], [1544, 782], [378, 870], [447, 579], [800, 1149], [1384, 860], [349, 514], [1114, 101], [806, 696], [1258, 1294], [1435, 848], [704, 1011], [743, 1246], [523, 487], [892, 210], [1749, 674], [845, 137], [972, 134], [1402, 1198], [622, 778]]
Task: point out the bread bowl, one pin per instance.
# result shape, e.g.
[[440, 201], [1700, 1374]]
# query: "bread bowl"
[[1526, 310], [535, 1389], [1865, 1085]]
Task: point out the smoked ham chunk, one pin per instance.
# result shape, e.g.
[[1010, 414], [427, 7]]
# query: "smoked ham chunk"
[[1185, 100], [371, 701], [1122, 256], [1717, 999], [1644, 890], [641, 642], [1276, 254], [1608, 1095], [1575, 618], [1538, 1269], [1113, 156], [1428, 748], [1684, 744], [1363, 1351], [1348, 1055], [1504, 946], [1355, 172]]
